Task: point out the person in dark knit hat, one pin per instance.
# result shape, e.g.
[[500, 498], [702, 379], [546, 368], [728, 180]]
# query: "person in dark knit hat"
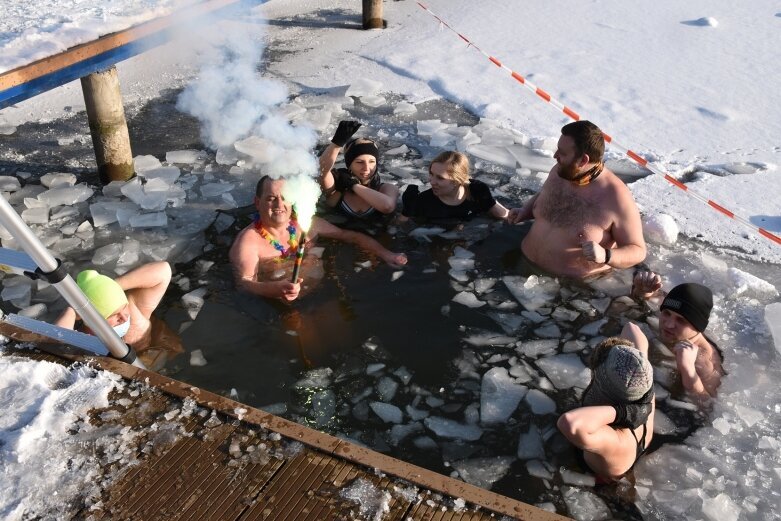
[[356, 191], [615, 422], [683, 316]]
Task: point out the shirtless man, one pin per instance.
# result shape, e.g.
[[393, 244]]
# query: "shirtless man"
[[683, 317], [274, 236], [585, 219], [615, 422], [126, 303]]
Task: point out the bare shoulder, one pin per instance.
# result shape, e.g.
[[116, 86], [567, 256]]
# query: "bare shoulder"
[[245, 241]]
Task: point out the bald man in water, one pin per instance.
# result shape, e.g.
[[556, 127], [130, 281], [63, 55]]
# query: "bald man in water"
[[274, 237], [585, 219]]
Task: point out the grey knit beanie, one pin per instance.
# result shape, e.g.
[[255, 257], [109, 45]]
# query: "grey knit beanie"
[[620, 374]]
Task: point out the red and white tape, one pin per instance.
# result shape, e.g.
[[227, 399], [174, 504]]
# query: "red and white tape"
[[634, 156]]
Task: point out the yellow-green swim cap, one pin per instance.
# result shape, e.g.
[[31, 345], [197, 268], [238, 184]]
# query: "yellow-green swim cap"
[[104, 293]]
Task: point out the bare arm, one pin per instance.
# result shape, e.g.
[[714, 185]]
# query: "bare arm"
[[525, 213], [685, 359], [498, 211], [67, 319], [146, 285], [627, 232], [589, 427], [327, 162], [363, 241], [383, 200]]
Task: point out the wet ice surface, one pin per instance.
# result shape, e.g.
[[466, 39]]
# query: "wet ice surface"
[[472, 382]]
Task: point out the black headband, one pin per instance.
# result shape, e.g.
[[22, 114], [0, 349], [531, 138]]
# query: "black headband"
[[359, 149]]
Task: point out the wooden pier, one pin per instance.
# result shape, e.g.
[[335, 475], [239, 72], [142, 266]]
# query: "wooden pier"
[[230, 461]]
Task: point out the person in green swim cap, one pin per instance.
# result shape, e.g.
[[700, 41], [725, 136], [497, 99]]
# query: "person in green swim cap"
[[126, 303]]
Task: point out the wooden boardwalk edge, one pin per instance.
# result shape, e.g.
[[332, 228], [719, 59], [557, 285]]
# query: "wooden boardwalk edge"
[[330, 444]]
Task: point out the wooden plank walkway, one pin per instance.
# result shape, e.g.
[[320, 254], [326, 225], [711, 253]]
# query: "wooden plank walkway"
[[229, 461]]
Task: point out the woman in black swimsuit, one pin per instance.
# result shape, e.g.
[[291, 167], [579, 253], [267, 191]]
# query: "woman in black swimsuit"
[[615, 423], [356, 191], [452, 194]]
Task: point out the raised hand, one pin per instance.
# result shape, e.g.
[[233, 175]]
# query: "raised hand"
[[344, 132], [645, 284], [344, 181]]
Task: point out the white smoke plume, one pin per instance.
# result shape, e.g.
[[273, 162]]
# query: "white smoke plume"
[[303, 192], [238, 108]]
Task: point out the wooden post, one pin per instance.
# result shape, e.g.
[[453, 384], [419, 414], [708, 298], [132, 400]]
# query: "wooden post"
[[372, 14], [107, 125]]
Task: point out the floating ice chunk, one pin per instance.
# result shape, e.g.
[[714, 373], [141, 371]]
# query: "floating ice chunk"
[[9, 184], [193, 301], [373, 101], [144, 163], [592, 329], [35, 311], [661, 229], [614, 284], [226, 155], [386, 388], [548, 144], [103, 213], [573, 346], [441, 139], [427, 127], [521, 373], [536, 348], [387, 412], [538, 469], [374, 368], [259, 149], [565, 371], [323, 407], [742, 282], [601, 304], [184, 156], [416, 414], [38, 215], [540, 402], [404, 108], [461, 264], [496, 155], [403, 149], [748, 415], [532, 292], [499, 396], [449, 429], [403, 374], [562, 314], [721, 508], [399, 432], [149, 220], [483, 472], [460, 276], [320, 377], [713, 264], [498, 137], [57, 179], [468, 299], [663, 424], [125, 213], [17, 290], [530, 444], [548, 331], [773, 320], [215, 189], [363, 87], [65, 245], [66, 195], [159, 179], [422, 233], [509, 322], [106, 254], [130, 252], [197, 359], [489, 339], [571, 477], [146, 199], [583, 505], [396, 275]]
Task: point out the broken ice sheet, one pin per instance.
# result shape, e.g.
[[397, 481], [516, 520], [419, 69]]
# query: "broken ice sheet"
[[499, 396], [468, 299], [565, 371], [483, 472], [450, 429], [532, 292], [363, 87]]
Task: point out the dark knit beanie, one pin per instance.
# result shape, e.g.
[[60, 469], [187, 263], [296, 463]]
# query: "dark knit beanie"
[[353, 150], [692, 301]]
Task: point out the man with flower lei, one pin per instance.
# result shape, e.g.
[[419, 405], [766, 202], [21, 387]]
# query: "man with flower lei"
[[275, 234]]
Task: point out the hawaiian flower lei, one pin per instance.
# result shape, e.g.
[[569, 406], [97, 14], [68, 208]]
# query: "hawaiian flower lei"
[[290, 251]]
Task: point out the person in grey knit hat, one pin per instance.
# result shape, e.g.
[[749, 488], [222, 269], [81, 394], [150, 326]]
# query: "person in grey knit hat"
[[684, 313], [614, 425]]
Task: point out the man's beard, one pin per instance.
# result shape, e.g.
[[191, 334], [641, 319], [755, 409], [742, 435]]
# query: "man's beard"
[[568, 172]]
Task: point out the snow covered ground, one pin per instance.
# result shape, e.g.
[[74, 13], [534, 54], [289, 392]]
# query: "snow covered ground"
[[687, 85]]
